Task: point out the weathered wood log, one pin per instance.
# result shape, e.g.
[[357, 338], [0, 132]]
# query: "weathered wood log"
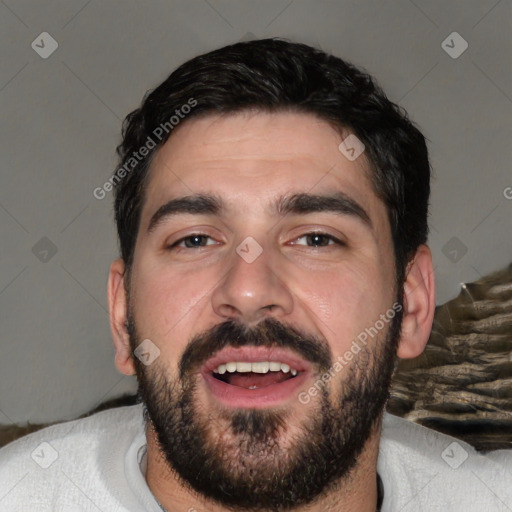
[[462, 383]]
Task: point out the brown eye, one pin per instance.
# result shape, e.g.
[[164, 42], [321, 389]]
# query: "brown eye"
[[192, 241], [317, 240]]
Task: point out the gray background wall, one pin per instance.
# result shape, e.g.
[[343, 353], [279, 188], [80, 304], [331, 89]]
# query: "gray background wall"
[[61, 123]]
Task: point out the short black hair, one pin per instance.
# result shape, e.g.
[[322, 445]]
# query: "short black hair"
[[275, 75]]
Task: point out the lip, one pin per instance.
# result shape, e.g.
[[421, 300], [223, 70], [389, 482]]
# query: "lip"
[[255, 354], [235, 397]]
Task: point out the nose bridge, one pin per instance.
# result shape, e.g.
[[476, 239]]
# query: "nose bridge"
[[251, 287]]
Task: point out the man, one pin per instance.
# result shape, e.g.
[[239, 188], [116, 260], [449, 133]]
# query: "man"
[[271, 207]]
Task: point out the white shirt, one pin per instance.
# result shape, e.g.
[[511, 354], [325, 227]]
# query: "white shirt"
[[97, 464]]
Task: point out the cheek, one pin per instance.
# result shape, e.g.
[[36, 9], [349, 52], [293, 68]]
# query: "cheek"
[[166, 305], [346, 302]]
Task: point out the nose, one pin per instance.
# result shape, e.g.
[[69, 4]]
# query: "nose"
[[252, 290]]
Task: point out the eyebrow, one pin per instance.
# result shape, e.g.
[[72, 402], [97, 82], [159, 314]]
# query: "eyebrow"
[[338, 203], [304, 203], [197, 204]]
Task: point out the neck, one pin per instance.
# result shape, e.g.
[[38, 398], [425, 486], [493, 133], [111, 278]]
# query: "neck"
[[358, 493]]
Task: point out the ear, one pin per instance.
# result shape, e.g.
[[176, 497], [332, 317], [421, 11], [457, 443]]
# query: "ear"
[[118, 311], [419, 304]]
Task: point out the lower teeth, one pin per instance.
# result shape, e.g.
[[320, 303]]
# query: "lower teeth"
[[252, 387]]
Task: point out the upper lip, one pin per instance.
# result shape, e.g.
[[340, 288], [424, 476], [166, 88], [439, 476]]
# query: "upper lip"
[[255, 354]]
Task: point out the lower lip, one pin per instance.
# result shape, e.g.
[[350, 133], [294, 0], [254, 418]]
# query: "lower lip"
[[236, 397]]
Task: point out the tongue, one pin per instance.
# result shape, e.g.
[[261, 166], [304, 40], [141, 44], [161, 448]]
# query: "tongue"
[[250, 379]]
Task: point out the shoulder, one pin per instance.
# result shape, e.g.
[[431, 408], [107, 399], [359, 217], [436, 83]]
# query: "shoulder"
[[92, 429], [68, 454], [422, 467]]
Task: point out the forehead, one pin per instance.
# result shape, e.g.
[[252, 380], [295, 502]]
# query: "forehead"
[[250, 159]]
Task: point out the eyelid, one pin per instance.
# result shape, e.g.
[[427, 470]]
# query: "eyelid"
[[319, 232], [178, 232], [331, 237], [190, 235]]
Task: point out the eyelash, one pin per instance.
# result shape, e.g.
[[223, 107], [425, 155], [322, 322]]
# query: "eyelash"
[[313, 233], [325, 235], [193, 235]]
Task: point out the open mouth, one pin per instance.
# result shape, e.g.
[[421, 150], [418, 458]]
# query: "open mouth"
[[259, 374], [254, 376]]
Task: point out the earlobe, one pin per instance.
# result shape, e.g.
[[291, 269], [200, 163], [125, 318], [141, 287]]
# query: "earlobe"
[[118, 312], [419, 305]]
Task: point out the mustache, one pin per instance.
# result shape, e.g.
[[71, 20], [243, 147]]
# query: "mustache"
[[268, 333]]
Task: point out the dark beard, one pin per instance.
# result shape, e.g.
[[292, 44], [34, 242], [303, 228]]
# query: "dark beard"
[[264, 475]]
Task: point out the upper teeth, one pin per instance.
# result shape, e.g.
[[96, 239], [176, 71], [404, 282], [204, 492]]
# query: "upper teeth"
[[258, 367]]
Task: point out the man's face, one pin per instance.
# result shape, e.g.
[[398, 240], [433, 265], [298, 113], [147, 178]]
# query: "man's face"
[[279, 268]]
